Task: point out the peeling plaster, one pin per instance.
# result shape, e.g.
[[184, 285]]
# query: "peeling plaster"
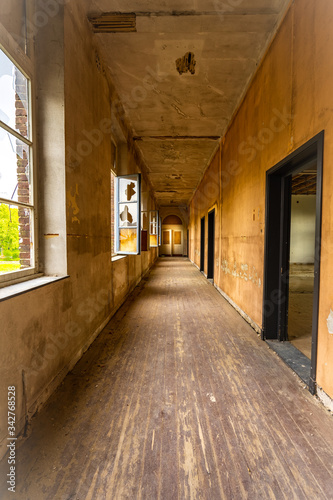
[[47, 236], [330, 322], [73, 203], [241, 271]]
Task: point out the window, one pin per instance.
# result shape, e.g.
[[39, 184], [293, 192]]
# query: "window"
[[144, 231], [160, 232], [153, 228], [128, 216], [17, 204], [113, 204], [144, 218], [113, 232]]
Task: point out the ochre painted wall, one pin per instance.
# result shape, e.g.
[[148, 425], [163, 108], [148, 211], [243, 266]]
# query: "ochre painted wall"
[[45, 331], [289, 101]]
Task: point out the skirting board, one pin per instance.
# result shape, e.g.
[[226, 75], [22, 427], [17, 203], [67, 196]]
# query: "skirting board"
[[325, 399], [202, 272], [240, 311], [233, 304]]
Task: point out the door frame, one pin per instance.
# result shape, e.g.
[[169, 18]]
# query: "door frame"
[[211, 244], [277, 244], [202, 244]]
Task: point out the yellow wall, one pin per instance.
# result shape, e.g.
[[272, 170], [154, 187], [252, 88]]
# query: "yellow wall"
[[289, 101], [45, 331]]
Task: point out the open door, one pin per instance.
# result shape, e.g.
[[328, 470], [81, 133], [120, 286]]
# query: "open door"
[[166, 248], [287, 233], [202, 244], [211, 245]]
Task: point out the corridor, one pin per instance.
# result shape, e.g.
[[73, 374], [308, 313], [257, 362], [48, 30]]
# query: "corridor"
[[178, 398]]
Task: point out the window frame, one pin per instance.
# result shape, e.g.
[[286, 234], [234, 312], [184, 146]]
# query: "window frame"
[[113, 172], [143, 230], [160, 231], [138, 213], [151, 212], [25, 65]]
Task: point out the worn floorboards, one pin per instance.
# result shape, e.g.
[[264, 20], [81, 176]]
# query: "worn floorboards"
[[178, 398]]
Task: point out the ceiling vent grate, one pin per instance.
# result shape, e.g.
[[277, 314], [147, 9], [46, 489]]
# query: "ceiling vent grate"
[[114, 23]]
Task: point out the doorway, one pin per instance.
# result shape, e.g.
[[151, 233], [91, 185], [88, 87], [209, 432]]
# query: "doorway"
[[202, 244], [292, 255], [173, 234], [211, 245], [301, 260], [166, 248]]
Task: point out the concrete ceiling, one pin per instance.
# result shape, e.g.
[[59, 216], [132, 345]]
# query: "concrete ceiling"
[[177, 119]]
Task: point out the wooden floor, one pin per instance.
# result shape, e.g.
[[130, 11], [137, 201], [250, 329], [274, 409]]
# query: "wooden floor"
[[178, 398], [301, 284]]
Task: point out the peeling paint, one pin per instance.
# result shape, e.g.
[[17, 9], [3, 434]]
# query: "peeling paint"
[[330, 322], [242, 271], [73, 203], [51, 236]]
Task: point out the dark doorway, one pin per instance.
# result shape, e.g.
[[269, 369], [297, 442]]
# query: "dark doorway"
[[202, 244], [211, 244], [280, 185], [301, 259]]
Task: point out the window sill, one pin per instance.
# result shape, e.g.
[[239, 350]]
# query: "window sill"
[[10, 291], [118, 257]]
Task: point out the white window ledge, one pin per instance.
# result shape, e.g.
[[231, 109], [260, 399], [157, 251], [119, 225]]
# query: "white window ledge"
[[118, 257], [26, 286]]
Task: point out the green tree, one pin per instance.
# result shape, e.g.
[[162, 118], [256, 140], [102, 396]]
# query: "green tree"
[[9, 232]]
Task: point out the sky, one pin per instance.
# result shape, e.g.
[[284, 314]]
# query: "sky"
[[8, 178]]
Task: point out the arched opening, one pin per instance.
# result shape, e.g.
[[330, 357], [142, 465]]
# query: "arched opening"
[[172, 220]]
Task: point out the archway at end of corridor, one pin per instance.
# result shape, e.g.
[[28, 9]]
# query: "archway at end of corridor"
[[173, 232]]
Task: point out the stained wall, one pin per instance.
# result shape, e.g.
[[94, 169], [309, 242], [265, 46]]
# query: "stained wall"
[[45, 331], [288, 102]]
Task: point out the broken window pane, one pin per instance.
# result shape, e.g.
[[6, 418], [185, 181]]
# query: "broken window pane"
[[128, 189], [153, 228], [128, 217]]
